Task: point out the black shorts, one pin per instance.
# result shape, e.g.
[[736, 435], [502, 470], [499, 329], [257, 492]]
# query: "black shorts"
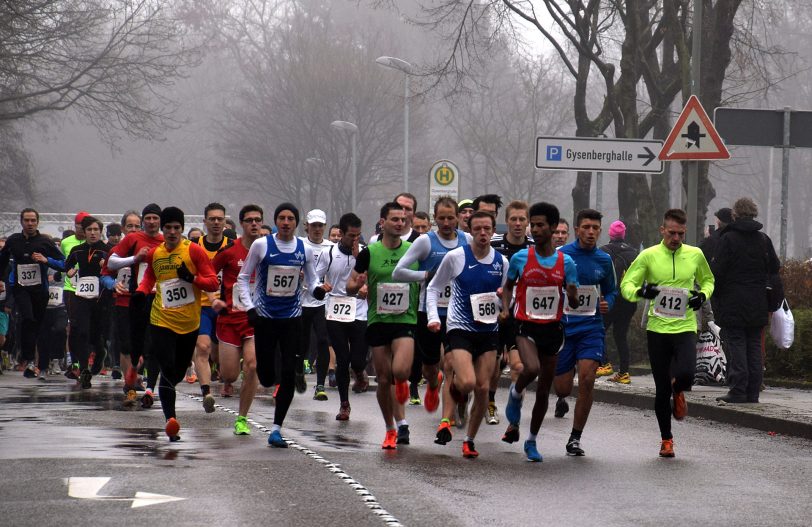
[[548, 338], [429, 344], [474, 342], [507, 334], [383, 333]]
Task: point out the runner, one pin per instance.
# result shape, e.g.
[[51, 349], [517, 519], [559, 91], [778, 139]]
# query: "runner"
[[538, 273], [88, 323], [476, 272], [428, 251], [313, 312], [421, 223], [466, 209], [214, 217], [561, 233], [275, 308], [67, 244], [585, 337], [391, 321], [666, 274], [33, 253], [346, 316], [488, 203], [179, 270], [335, 233], [235, 334], [517, 219]]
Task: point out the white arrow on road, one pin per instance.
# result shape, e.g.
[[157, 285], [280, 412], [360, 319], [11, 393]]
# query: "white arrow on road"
[[88, 489]]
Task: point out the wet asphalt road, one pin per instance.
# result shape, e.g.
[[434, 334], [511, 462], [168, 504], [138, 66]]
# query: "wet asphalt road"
[[336, 474]]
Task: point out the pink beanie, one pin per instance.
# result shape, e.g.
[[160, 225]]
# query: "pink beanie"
[[617, 231]]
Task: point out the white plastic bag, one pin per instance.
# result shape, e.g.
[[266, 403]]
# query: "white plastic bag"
[[782, 326]]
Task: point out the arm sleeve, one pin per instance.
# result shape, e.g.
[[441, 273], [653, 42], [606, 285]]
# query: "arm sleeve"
[[255, 255], [148, 282], [322, 264], [633, 279], [206, 278], [704, 276], [608, 284], [515, 266], [70, 262], [362, 261], [570, 271], [115, 261], [447, 271], [310, 271], [419, 250]]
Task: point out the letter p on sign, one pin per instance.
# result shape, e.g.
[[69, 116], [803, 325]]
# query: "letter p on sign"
[[553, 153]]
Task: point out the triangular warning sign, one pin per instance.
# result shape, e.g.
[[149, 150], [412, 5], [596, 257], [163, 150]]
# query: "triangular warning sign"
[[693, 137]]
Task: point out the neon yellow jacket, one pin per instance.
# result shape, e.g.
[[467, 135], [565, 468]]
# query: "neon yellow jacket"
[[660, 265]]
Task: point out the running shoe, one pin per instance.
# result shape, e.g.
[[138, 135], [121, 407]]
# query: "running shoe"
[[574, 447], [415, 401], [147, 400], [561, 407], [320, 394], [433, 394], [667, 448], [680, 406], [331, 378], [131, 398], [208, 403], [72, 372], [531, 451], [54, 368], [241, 427], [84, 379], [469, 450], [41, 376], [276, 440], [511, 435], [443, 433], [130, 378], [361, 383], [21, 366], [301, 383], [307, 370], [343, 412], [605, 370], [621, 378], [116, 374], [173, 429], [513, 410], [401, 391], [228, 390], [462, 413], [390, 440], [191, 378], [403, 434], [31, 371], [492, 416]]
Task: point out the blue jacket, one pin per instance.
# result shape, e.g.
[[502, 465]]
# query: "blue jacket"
[[594, 268]]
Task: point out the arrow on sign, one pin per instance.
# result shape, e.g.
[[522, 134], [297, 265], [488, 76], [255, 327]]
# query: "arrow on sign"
[[649, 156], [88, 489]]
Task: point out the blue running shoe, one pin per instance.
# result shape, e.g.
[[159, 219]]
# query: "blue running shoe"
[[276, 440], [513, 410], [532, 452]]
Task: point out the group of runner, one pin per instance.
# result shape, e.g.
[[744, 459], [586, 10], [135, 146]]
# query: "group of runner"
[[447, 306]]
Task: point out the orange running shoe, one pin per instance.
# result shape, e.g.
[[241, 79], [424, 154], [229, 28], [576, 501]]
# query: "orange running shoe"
[[432, 399], [173, 429], [667, 448], [468, 450], [401, 391], [680, 406], [191, 379], [390, 442]]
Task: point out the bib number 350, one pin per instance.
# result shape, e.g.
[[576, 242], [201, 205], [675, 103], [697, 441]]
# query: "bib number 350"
[[176, 293]]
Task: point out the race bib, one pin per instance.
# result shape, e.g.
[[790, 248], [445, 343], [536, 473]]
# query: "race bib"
[[444, 296], [485, 307], [393, 298], [282, 280], [28, 274], [541, 303], [54, 296], [123, 276], [587, 302], [176, 293], [672, 302], [340, 308], [87, 287]]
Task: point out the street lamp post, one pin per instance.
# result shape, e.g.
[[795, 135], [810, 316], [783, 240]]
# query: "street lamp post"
[[406, 68], [353, 129]]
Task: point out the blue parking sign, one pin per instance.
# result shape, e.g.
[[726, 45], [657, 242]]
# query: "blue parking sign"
[[553, 153]]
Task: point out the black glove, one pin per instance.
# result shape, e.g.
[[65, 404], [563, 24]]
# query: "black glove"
[[648, 291], [696, 300], [319, 293], [185, 274], [138, 301], [253, 318]]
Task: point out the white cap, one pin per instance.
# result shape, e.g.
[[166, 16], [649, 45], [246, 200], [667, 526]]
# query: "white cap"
[[316, 216]]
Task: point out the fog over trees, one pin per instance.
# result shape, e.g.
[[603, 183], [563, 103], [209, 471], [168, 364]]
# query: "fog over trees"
[[107, 105]]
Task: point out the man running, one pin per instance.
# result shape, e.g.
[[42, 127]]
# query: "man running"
[[584, 334], [179, 270], [667, 275], [235, 334], [275, 308], [391, 318], [476, 272], [539, 274]]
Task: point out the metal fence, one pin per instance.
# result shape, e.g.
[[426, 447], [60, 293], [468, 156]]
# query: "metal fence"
[[53, 223]]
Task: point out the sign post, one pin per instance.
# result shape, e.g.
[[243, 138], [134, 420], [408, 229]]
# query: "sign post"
[[444, 180]]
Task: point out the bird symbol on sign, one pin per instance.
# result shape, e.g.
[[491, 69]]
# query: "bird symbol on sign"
[[693, 136]]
